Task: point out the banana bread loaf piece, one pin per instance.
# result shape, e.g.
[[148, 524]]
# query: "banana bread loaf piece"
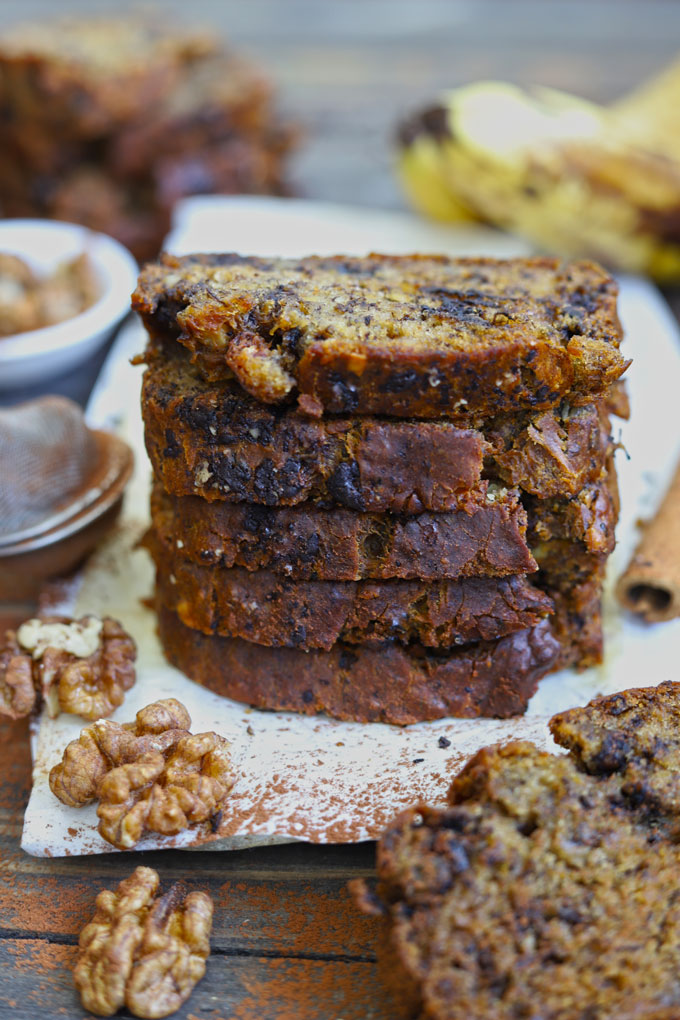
[[577, 620], [379, 683], [557, 453], [547, 888], [216, 441], [109, 121], [416, 335], [82, 77], [310, 543], [269, 609]]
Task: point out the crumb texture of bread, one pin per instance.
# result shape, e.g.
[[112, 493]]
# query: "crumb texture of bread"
[[400, 335], [309, 542], [268, 609], [547, 887], [367, 683], [216, 441]]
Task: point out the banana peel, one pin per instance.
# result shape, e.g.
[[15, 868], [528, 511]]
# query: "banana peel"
[[572, 177]]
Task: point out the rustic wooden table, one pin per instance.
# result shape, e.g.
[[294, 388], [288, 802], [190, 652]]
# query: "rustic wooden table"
[[288, 943]]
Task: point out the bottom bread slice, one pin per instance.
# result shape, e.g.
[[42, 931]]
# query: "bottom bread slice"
[[548, 886], [379, 683]]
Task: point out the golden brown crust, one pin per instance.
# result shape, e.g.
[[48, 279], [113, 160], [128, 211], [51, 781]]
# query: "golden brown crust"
[[401, 335]]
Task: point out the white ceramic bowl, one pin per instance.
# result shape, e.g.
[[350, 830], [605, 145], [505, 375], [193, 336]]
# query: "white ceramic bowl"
[[30, 358]]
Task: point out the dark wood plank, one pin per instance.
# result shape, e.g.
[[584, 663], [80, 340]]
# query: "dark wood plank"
[[288, 905], [37, 979]]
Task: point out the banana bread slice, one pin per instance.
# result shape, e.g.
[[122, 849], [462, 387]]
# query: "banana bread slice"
[[216, 441], [401, 335], [269, 609], [221, 444], [378, 683], [310, 543], [547, 888]]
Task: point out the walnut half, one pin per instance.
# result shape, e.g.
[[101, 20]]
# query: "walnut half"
[[152, 775], [142, 950], [81, 666], [17, 690]]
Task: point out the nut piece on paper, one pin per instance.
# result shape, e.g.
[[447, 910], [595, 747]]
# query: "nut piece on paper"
[[80, 666], [141, 950], [152, 775], [17, 690]]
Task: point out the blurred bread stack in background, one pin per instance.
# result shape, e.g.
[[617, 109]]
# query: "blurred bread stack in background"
[[108, 122]]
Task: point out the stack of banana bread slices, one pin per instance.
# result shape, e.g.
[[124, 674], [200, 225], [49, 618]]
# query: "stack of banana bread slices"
[[383, 486]]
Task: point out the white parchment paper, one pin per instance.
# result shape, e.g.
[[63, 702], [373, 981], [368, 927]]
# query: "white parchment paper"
[[317, 779]]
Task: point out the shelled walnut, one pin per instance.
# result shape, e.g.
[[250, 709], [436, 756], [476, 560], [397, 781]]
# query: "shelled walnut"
[[152, 775], [142, 950], [17, 690], [80, 666]]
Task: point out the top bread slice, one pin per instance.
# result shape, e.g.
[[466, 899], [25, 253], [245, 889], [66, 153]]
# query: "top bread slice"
[[418, 335]]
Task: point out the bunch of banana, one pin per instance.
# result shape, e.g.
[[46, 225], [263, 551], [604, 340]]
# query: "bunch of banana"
[[571, 176]]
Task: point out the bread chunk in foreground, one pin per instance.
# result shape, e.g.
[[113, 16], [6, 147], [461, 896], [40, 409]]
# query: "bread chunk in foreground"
[[548, 887], [399, 335]]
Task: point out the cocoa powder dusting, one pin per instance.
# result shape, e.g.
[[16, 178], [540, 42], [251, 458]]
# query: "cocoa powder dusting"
[[313, 989], [295, 917], [41, 902]]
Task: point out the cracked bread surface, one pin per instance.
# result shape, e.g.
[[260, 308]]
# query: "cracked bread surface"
[[548, 885], [411, 335], [386, 682]]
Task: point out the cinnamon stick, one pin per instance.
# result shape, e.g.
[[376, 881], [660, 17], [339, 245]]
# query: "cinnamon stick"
[[650, 586]]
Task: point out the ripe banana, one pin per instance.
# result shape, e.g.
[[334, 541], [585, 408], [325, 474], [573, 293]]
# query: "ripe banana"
[[571, 176]]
